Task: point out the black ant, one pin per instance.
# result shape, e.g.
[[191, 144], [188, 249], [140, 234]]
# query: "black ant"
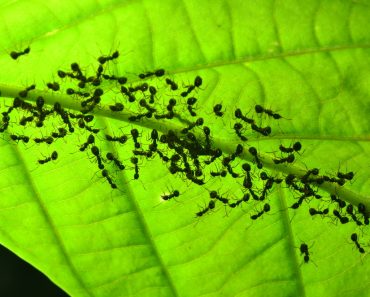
[[131, 97], [98, 92], [171, 83], [314, 212], [121, 139], [264, 131], [197, 83], [48, 140], [173, 169], [15, 55], [92, 130], [24, 138], [168, 116], [222, 173], [304, 250], [62, 74], [188, 91], [96, 153], [171, 104], [135, 136], [64, 115], [24, 92], [6, 118], [207, 133], [157, 73], [355, 240], [135, 161], [216, 154], [53, 86], [347, 176], [108, 178], [104, 59], [81, 84], [175, 158], [215, 195], [94, 99], [192, 178], [65, 118], [254, 195], [5, 123], [191, 101], [22, 104], [264, 176], [40, 103], [343, 220], [198, 122], [289, 159], [60, 134], [154, 137], [297, 204], [260, 109], [247, 183], [340, 181], [230, 170], [362, 210], [175, 193], [85, 118], [152, 91], [239, 115], [116, 107], [253, 151], [88, 118], [295, 148], [147, 154], [211, 205], [118, 163], [217, 110], [340, 202], [71, 91], [76, 68], [163, 157], [238, 151], [121, 80], [90, 140], [143, 87], [351, 213], [54, 156], [237, 128], [314, 171], [266, 208], [170, 107], [99, 72], [138, 117], [147, 106], [268, 186], [244, 199]]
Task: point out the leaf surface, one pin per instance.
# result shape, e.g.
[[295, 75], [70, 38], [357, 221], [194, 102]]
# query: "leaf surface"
[[310, 61]]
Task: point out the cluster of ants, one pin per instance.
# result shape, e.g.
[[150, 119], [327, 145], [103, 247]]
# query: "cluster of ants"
[[189, 153]]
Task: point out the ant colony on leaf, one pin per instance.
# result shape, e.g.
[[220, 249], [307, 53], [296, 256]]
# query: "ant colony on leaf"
[[189, 153]]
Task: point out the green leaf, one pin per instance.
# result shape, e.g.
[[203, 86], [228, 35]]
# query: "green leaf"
[[307, 60]]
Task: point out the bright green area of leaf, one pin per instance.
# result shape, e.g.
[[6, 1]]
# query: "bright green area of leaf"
[[309, 60]]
